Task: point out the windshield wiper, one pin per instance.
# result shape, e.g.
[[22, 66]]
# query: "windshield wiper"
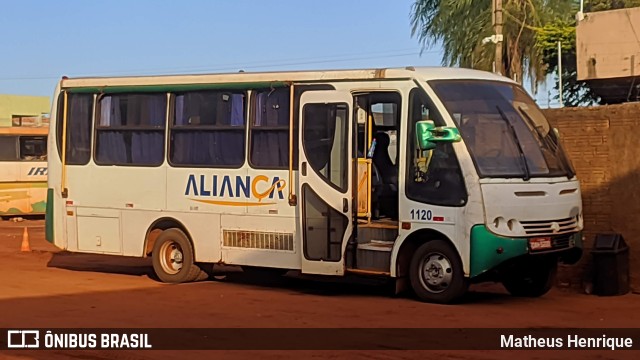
[[541, 137], [527, 176], [555, 145]]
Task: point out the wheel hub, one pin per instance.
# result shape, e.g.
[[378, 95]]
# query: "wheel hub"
[[176, 255], [172, 258], [437, 272]]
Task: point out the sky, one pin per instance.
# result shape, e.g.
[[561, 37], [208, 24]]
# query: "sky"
[[43, 40]]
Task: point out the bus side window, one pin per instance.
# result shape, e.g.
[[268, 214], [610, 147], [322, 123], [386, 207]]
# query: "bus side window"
[[130, 129], [269, 135], [208, 129], [442, 183], [33, 148], [79, 127], [8, 149]]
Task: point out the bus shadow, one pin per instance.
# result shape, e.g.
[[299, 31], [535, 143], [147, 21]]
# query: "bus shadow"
[[310, 285], [101, 263], [357, 286], [350, 285], [487, 293]]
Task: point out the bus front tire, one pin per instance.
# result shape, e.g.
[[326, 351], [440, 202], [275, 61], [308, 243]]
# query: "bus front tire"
[[436, 273], [532, 279], [173, 259]]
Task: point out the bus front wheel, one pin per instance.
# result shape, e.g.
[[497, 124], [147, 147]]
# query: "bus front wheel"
[[436, 273], [173, 259]]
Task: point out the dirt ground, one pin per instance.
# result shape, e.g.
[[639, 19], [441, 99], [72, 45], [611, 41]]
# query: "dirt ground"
[[50, 288]]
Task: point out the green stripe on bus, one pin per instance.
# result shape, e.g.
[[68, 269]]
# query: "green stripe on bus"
[[48, 216], [484, 245], [176, 87]]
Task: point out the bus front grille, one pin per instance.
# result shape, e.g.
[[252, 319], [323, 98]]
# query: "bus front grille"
[[562, 241], [258, 240], [550, 227]]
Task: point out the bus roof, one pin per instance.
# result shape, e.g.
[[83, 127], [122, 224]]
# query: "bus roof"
[[242, 79]]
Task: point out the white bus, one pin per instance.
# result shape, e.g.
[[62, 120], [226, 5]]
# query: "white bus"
[[23, 170], [434, 177]]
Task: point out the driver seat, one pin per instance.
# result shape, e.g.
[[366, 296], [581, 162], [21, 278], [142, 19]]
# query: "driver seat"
[[388, 172]]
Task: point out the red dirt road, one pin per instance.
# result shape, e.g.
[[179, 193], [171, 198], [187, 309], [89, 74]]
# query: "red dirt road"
[[49, 288]]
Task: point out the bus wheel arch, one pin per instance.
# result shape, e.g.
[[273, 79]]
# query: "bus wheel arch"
[[431, 248], [410, 245], [157, 227]]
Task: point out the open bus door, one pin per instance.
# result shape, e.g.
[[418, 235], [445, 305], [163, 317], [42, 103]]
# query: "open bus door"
[[325, 186]]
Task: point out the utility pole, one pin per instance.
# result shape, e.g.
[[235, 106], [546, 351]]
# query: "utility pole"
[[580, 15], [497, 26], [560, 73]]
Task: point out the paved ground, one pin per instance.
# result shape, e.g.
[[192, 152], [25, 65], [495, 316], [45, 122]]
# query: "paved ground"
[[49, 288]]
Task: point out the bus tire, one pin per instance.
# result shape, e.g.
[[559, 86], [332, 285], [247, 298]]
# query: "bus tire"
[[532, 279], [436, 273], [173, 259]]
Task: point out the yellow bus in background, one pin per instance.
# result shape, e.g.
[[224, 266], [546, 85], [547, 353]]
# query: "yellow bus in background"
[[23, 170]]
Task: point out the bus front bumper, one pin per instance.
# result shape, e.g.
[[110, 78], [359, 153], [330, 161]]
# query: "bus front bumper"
[[489, 251]]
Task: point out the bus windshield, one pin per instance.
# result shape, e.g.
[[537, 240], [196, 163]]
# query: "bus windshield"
[[506, 133]]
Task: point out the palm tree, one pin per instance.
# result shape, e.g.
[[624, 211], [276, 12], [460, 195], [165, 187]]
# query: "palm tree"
[[460, 25]]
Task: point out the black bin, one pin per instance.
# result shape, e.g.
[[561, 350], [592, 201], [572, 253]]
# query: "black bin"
[[610, 265]]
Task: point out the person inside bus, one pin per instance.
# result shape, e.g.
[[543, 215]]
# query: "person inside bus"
[[388, 171]]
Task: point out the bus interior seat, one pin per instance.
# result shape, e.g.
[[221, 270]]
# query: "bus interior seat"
[[388, 202]]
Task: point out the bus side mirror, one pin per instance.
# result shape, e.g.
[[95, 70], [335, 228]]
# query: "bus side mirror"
[[428, 134]]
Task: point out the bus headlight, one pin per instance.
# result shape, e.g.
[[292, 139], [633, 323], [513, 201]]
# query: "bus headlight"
[[511, 226]]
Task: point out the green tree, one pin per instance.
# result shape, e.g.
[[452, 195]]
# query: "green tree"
[[575, 93], [532, 29], [563, 29], [601, 5], [460, 25]]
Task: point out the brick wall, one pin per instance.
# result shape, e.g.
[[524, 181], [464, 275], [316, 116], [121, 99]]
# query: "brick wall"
[[604, 146]]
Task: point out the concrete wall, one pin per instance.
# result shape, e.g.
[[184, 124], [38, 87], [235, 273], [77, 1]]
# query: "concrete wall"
[[11, 105], [604, 146], [607, 44]]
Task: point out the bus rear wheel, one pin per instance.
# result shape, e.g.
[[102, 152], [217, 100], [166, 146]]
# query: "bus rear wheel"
[[436, 273], [173, 259], [532, 279]]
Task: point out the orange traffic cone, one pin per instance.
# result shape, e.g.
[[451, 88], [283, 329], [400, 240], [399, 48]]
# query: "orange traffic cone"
[[25, 241]]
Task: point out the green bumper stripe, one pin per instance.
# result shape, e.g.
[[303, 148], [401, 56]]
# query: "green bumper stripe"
[[485, 253], [48, 227]]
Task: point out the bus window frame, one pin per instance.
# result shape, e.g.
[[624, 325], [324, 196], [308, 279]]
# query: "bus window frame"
[[17, 140], [171, 117], [96, 118], [439, 118], [251, 127]]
